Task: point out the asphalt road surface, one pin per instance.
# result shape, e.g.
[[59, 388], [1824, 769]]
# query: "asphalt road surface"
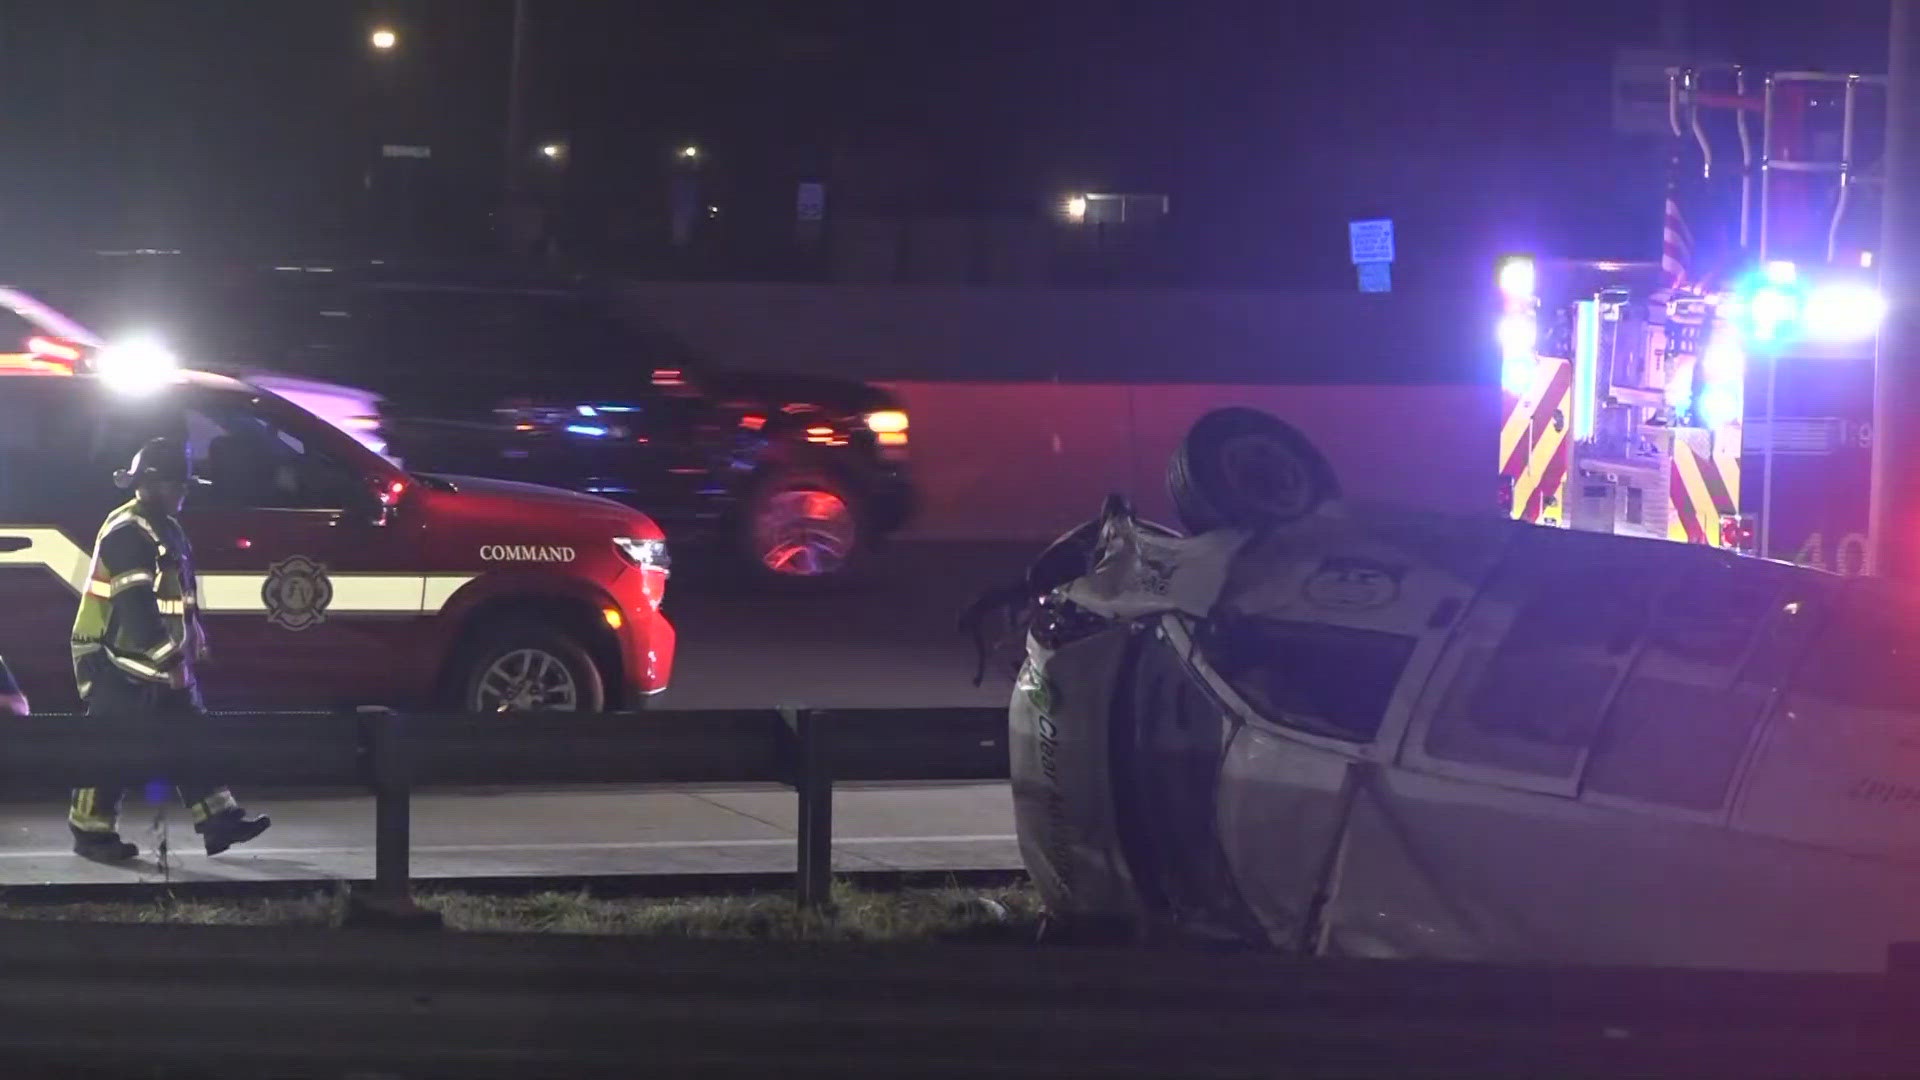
[[888, 642]]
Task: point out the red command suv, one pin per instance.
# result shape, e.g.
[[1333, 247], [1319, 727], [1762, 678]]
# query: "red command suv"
[[328, 577]]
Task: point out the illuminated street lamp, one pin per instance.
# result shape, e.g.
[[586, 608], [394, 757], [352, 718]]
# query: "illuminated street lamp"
[[555, 152], [689, 152], [1077, 208], [384, 39]]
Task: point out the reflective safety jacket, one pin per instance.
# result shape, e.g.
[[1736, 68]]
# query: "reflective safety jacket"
[[139, 614]]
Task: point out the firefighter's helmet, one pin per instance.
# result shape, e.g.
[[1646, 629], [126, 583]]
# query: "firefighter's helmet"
[[163, 458]]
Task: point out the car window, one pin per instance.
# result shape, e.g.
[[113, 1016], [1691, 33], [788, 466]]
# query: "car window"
[[1329, 680], [1723, 637], [244, 458], [1546, 643]]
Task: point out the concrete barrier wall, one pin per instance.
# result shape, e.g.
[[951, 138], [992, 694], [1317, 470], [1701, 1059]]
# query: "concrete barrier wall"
[[1030, 405], [1027, 461]]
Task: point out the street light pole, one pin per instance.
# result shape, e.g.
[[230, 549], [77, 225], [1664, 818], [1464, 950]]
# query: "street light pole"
[[516, 106], [1894, 514]]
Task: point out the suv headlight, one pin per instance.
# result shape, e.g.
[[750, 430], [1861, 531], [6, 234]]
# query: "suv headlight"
[[889, 427], [646, 554]]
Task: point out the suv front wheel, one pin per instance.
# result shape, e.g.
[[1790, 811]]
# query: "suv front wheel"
[[534, 669], [803, 528]]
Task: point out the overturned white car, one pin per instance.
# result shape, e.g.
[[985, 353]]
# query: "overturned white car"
[[1346, 730]]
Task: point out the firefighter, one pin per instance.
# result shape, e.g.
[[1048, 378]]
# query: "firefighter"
[[12, 701], [135, 642]]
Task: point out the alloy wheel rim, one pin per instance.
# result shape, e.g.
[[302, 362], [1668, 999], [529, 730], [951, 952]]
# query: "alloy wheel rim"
[[528, 680], [805, 532]]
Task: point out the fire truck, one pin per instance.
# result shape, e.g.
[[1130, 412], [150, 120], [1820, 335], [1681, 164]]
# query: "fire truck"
[[1729, 402]]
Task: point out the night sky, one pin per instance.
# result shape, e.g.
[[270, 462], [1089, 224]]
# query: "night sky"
[[1269, 124]]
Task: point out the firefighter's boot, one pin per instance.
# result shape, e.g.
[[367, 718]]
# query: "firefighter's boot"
[[230, 827], [106, 847]]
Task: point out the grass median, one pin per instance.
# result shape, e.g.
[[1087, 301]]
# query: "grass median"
[[951, 913]]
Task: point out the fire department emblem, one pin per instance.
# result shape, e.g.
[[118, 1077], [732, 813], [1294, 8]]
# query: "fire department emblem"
[[297, 593], [1353, 584]]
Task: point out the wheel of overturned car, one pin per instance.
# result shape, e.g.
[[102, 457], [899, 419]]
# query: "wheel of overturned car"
[[531, 669], [1242, 467], [803, 528]]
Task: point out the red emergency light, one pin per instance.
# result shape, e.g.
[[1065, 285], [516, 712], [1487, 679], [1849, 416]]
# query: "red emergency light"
[[1739, 533]]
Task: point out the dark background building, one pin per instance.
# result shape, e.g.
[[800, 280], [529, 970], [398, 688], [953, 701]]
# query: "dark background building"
[[946, 139]]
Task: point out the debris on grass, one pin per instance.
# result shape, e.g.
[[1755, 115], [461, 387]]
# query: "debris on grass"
[[953, 913]]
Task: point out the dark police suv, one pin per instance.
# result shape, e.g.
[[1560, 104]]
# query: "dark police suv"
[[549, 381]]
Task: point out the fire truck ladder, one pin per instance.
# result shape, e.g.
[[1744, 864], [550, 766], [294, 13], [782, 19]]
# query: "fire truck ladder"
[[1843, 170], [1688, 93]]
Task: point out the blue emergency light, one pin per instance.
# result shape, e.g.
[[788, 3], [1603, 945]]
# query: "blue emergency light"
[[1777, 307]]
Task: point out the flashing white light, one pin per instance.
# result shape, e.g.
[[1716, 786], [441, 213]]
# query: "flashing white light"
[[1772, 309], [384, 39], [689, 152], [1517, 334], [1516, 376], [553, 151], [1719, 406], [1679, 389], [1844, 311], [1781, 272], [1724, 360], [1517, 278], [1077, 208], [135, 365]]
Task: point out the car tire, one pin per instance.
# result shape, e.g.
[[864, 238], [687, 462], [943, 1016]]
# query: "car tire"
[[530, 669], [801, 530], [1241, 467]]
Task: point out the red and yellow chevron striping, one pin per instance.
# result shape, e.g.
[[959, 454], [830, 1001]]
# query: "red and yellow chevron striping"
[[1534, 446], [1701, 491]]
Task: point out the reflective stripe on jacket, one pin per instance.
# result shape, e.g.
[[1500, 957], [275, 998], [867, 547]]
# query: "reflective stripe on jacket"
[[139, 609]]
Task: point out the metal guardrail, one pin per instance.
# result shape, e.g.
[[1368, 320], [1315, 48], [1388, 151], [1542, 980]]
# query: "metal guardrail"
[[807, 749], [312, 1001]]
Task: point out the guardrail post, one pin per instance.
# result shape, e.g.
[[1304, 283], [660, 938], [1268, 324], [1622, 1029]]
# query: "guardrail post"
[[391, 902], [813, 781]]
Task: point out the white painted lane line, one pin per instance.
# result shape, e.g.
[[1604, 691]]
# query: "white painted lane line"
[[635, 845]]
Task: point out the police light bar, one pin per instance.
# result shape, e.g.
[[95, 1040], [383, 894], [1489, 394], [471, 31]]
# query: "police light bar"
[[135, 364]]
